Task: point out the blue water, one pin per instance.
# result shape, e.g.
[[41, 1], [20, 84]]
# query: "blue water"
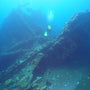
[[62, 9], [18, 44], [56, 13]]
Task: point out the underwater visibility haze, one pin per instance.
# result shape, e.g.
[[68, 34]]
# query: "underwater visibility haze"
[[44, 44], [61, 9]]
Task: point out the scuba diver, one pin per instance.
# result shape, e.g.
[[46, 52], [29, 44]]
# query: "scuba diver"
[[50, 19], [47, 32]]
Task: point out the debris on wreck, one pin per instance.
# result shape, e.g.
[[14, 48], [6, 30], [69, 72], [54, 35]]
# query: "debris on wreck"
[[26, 73]]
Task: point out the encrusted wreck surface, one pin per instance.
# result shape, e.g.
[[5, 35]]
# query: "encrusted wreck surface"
[[70, 49], [19, 34]]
